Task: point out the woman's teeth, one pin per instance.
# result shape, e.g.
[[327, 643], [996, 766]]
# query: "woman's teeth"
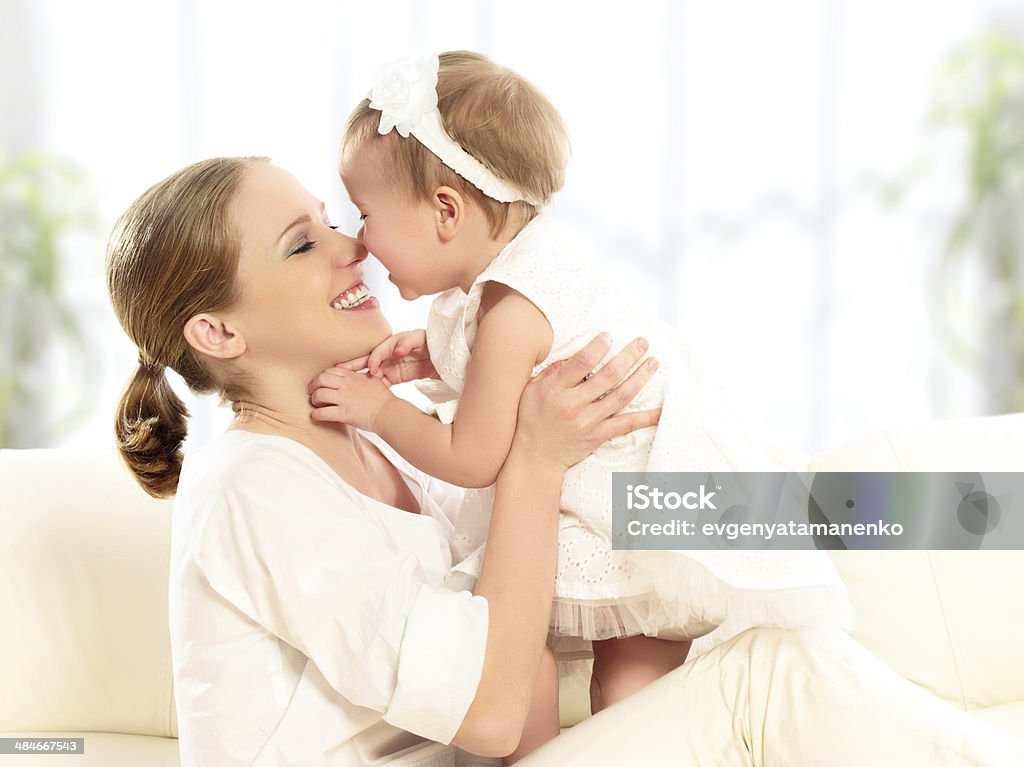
[[351, 298]]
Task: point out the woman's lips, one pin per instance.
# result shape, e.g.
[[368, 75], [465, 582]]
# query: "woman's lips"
[[356, 297]]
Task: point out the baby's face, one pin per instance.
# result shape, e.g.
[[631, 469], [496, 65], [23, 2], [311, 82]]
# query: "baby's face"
[[398, 229]]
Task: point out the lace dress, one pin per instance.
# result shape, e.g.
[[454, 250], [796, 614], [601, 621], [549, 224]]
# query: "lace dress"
[[602, 593]]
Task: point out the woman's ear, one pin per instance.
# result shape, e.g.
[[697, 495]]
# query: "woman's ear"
[[212, 336], [449, 212]]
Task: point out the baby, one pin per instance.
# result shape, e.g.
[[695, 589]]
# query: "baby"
[[451, 162]]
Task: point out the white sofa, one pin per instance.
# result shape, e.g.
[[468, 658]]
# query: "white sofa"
[[84, 650]]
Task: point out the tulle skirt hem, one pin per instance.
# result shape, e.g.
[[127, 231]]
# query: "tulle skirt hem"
[[693, 604]]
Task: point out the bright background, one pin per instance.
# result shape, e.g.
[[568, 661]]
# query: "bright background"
[[729, 163]]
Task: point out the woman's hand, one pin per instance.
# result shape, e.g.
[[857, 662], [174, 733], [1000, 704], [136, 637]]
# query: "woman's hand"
[[568, 411], [402, 357]]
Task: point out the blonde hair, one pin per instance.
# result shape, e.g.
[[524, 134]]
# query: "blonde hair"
[[171, 255], [497, 116]]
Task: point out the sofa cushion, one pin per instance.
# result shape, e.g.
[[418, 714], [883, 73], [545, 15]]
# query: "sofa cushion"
[[84, 642], [947, 620]]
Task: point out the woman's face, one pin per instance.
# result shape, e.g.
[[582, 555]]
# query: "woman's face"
[[302, 300]]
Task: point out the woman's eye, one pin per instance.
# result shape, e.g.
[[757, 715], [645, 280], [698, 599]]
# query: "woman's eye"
[[362, 216], [304, 247]]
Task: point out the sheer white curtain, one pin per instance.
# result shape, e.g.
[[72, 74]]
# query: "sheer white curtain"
[[725, 169]]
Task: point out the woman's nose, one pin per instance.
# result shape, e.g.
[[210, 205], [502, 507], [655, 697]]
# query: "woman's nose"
[[349, 252]]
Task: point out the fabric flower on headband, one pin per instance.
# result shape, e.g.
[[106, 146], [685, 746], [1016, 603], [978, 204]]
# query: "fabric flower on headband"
[[405, 93], [406, 96]]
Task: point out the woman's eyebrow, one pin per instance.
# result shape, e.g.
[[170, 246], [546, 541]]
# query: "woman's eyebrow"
[[303, 219]]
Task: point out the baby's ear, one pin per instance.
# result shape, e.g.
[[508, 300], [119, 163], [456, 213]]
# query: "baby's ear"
[[449, 211], [214, 337]]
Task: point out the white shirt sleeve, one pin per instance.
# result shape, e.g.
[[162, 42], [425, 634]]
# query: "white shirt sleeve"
[[304, 556]]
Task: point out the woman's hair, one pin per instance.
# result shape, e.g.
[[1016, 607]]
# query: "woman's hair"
[[171, 255], [497, 116]]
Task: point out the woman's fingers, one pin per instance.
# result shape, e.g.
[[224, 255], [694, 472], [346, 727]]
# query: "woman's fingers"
[[582, 363], [566, 413], [601, 383], [624, 423], [611, 402]]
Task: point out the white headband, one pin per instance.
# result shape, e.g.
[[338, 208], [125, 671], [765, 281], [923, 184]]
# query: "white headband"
[[406, 96]]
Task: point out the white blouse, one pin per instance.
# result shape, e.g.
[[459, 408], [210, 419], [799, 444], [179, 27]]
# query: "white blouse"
[[309, 624]]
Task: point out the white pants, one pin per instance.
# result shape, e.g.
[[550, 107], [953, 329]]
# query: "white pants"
[[778, 698]]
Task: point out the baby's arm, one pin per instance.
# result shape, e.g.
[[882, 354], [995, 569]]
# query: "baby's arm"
[[512, 336]]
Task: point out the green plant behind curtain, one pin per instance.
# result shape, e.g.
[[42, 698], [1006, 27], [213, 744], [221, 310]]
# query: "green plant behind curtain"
[[979, 99], [42, 199]]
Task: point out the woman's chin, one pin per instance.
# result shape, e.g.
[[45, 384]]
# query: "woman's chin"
[[376, 330], [356, 333], [386, 333]]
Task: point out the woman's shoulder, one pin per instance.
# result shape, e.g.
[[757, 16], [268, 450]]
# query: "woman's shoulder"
[[237, 457], [266, 470], [248, 472], [242, 481]]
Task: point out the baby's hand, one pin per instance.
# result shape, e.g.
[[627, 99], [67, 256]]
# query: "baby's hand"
[[402, 357], [343, 396]]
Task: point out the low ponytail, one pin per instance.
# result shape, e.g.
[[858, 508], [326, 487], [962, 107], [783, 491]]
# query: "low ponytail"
[[173, 254], [150, 427]]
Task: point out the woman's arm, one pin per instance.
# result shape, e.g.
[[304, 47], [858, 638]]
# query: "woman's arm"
[[562, 418]]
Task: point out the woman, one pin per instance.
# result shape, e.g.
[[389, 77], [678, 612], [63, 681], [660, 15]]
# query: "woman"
[[308, 623], [291, 608]]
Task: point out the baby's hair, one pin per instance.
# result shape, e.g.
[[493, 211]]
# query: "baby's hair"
[[171, 255], [497, 116]]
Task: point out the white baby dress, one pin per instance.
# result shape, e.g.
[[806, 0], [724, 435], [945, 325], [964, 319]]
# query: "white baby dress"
[[602, 593]]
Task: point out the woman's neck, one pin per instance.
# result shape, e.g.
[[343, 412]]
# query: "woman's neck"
[[282, 408], [352, 457], [251, 416]]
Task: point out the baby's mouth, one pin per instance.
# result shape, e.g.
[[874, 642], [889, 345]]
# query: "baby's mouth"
[[351, 298]]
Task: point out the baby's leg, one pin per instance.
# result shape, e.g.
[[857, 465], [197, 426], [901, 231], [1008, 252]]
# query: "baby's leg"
[[623, 666], [542, 722]]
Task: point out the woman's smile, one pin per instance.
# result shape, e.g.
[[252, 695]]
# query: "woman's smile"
[[355, 297]]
